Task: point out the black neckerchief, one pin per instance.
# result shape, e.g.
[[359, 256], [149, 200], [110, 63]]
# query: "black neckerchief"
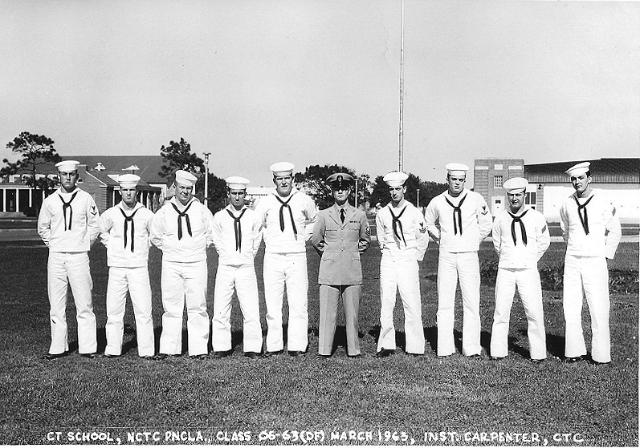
[[283, 205], [456, 210], [583, 220], [65, 206], [237, 228], [180, 215], [128, 219], [397, 225], [523, 232]]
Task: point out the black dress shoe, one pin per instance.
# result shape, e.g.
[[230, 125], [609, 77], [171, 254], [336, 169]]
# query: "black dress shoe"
[[200, 357], [296, 353], [359, 355], [572, 359], [89, 355], [475, 356], [147, 357], [252, 355], [221, 354], [110, 356], [51, 356], [598, 363], [538, 361], [384, 353], [270, 354], [496, 358], [160, 356], [320, 355]]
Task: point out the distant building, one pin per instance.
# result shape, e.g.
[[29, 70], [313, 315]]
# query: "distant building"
[[98, 176], [619, 179], [490, 174]]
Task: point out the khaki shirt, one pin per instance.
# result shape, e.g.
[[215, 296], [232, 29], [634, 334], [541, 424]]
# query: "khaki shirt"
[[340, 263]]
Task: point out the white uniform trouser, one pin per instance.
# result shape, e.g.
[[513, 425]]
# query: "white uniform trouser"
[[400, 273], [289, 269], [528, 284], [465, 267], [184, 282], [136, 281], [243, 279], [591, 275], [70, 269]]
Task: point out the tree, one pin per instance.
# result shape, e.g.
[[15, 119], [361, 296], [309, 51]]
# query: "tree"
[[178, 156], [217, 196], [37, 152], [313, 182], [428, 190]]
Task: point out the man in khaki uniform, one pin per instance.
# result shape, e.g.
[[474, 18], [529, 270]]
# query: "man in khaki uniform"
[[341, 234]]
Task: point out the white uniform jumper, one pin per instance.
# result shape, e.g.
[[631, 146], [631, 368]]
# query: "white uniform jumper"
[[237, 238], [287, 225], [403, 239], [68, 225], [125, 233], [591, 229], [459, 224], [183, 233], [520, 241]]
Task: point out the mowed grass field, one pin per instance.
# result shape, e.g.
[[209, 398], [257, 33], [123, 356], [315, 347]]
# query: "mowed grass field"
[[597, 405]]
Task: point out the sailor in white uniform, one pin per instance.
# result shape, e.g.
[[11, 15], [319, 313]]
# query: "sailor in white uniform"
[[237, 238], [403, 240], [591, 228], [182, 229], [458, 220], [287, 218], [68, 225], [125, 230], [520, 237]]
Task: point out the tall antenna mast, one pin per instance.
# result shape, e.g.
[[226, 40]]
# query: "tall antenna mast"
[[400, 132]]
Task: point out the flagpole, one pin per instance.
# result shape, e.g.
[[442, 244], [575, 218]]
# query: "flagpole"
[[400, 132]]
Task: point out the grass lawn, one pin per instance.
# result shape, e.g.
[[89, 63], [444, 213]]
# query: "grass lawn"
[[453, 400]]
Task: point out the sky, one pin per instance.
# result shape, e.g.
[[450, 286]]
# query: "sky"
[[318, 82]]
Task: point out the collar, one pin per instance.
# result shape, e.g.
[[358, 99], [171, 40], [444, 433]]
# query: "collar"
[[62, 191], [179, 204], [522, 210], [233, 210], [462, 194], [126, 209]]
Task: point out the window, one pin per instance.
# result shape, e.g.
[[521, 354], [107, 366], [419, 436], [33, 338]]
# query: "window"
[[530, 199], [497, 181]]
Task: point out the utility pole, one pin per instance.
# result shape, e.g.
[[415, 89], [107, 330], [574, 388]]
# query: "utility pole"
[[206, 178]]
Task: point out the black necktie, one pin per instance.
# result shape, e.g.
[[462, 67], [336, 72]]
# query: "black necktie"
[[180, 215], [285, 204], [397, 225], [65, 206], [237, 228], [342, 215], [583, 220], [126, 224], [457, 224], [523, 231]]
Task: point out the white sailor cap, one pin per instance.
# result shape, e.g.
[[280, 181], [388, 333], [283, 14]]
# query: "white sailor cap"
[[186, 178], [456, 167], [67, 166], [395, 178], [128, 180], [236, 183], [515, 184], [281, 168], [578, 169]]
